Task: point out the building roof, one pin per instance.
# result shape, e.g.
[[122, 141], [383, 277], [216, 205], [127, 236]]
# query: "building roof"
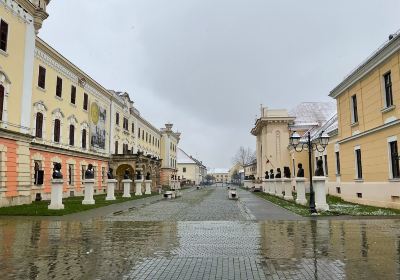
[[184, 158], [310, 114]]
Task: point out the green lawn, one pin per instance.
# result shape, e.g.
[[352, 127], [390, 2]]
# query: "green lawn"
[[71, 205], [337, 207]]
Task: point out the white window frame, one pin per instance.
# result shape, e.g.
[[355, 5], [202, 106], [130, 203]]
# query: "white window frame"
[[358, 147], [352, 109]]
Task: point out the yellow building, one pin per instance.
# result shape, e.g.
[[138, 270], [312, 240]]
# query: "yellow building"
[[368, 128], [250, 169], [53, 112], [169, 146], [190, 169], [220, 175]]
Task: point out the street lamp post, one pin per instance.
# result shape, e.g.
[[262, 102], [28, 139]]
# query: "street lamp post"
[[319, 145]]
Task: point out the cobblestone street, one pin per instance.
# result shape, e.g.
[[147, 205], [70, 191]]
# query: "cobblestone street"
[[201, 235]]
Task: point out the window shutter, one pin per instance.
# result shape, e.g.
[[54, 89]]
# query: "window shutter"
[[73, 94]]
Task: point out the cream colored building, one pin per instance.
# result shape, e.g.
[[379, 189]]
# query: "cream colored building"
[[250, 169], [190, 169], [219, 175], [365, 147], [273, 129], [53, 112]]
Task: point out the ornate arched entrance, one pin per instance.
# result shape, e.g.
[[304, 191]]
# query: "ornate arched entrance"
[[119, 174]]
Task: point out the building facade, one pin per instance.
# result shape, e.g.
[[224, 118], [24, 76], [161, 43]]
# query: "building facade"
[[190, 169], [219, 175], [53, 112], [365, 145]]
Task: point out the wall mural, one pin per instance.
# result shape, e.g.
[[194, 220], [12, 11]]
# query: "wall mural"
[[97, 126]]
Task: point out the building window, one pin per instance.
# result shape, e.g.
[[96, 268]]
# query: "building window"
[[146, 137], [358, 164], [133, 128], [59, 87], [117, 118], [125, 149], [125, 124], [138, 132], [83, 169], [1, 102], [38, 174], [71, 135], [184, 170], [326, 164], [70, 174], [142, 134], [84, 139], [394, 159], [337, 163], [57, 130], [103, 175], [73, 94], [354, 111], [388, 89], [42, 77], [85, 101], [39, 125], [116, 147], [3, 35]]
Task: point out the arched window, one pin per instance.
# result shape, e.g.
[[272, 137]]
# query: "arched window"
[[1, 102], [39, 125], [84, 139], [57, 125], [71, 135]]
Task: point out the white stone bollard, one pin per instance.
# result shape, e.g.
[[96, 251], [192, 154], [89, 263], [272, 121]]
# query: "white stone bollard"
[[278, 187], [287, 184], [89, 185], [247, 184], [301, 191], [127, 187], [320, 195], [111, 183], [148, 186], [56, 194], [138, 187]]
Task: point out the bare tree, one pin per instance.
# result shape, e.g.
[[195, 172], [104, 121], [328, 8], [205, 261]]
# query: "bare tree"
[[244, 156]]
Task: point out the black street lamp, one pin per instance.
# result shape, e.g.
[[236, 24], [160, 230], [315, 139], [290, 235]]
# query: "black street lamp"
[[319, 144]]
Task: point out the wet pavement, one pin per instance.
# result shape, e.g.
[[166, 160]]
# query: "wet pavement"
[[202, 235]]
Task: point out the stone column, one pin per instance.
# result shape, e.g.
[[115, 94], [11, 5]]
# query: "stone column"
[[287, 184], [265, 186], [148, 186], [127, 187], [301, 191], [138, 186], [320, 195], [111, 183], [56, 194], [270, 186], [278, 187], [89, 185]]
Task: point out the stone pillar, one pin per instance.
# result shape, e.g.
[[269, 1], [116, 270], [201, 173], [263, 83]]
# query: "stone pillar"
[[138, 187], [56, 194], [320, 195], [265, 186], [111, 183], [270, 186], [278, 187], [301, 191], [127, 187], [287, 184], [247, 184], [148, 186], [89, 185]]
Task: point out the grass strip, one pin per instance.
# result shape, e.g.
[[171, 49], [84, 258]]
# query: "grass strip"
[[71, 205]]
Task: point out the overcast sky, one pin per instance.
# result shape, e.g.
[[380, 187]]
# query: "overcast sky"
[[207, 65]]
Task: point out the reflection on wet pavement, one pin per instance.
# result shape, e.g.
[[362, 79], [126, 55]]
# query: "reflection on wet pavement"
[[323, 249], [200, 236]]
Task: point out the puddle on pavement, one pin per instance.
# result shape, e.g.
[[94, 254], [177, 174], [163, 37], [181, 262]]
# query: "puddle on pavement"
[[98, 249]]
